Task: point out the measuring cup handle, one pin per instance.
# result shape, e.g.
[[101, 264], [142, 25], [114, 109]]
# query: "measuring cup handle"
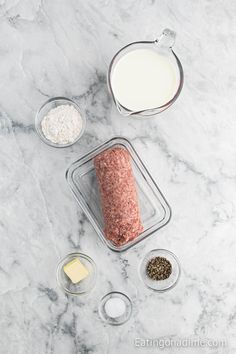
[[167, 38]]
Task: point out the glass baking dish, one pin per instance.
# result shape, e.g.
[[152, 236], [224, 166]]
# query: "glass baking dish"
[[154, 209]]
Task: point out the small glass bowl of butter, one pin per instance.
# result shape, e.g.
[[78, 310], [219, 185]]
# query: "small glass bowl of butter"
[[76, 274]]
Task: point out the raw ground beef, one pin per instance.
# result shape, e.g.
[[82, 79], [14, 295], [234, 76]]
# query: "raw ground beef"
[[118, 195]]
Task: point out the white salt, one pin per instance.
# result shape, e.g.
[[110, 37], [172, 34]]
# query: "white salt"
[[115, 307]]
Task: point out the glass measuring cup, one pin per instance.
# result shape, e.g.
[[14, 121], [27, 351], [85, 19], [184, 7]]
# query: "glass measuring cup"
[[163, 45]]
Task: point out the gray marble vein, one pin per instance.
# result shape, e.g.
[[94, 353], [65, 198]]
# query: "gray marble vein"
[[63, 47]]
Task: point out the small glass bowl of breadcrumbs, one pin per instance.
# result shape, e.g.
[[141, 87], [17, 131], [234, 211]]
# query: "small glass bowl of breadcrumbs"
[[59, 122], [160, 270]]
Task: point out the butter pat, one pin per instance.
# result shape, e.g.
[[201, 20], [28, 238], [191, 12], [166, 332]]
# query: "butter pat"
[[75, 270]]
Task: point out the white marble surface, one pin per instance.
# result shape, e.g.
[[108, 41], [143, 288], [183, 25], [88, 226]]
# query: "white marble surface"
[[63, 47]]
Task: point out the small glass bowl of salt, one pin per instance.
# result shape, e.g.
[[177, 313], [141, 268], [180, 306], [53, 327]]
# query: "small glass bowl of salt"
[[59, 122], [115, 308]]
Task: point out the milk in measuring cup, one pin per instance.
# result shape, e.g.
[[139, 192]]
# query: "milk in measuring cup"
[[144, 79]]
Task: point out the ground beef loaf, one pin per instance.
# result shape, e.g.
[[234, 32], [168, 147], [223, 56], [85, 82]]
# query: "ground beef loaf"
[[118, 196]]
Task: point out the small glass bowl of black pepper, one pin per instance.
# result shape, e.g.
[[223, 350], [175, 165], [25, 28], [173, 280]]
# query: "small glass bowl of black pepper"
[[160, 270]]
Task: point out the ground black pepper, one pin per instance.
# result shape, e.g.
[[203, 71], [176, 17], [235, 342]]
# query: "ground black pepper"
[[159, 268]]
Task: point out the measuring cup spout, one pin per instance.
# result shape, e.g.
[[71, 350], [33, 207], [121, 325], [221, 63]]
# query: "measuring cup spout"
[[125, 112]]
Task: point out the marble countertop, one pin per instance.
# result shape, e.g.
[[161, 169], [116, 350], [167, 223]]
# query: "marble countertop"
[[63, 47]]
